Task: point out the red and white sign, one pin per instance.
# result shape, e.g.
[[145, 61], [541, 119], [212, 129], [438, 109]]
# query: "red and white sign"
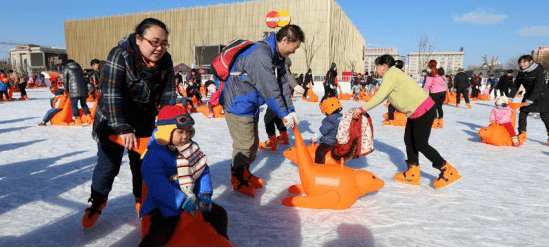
[[280, 18]]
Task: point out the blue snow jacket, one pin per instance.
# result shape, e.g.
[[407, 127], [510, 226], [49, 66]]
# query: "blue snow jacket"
[[328, 129], [262, 80], [159, 165], [3, 87]]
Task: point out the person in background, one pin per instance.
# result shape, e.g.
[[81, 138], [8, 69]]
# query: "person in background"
[[461, 83], [330, 81], [129, 112], [76, 88], [494, 85], [4, 85], [505, 83], [308, 82], [536, 96], [57, 103], [95, 78], [423, 77], [403, 92], [436, 86], [23, 87]]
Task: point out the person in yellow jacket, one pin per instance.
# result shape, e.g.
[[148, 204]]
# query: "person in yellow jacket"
[[407, 97]]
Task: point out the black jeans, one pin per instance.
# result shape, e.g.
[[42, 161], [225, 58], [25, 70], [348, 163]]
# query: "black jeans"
[[464, 92], [416, 139], [273, 122], [109, 160], [438, 98], [522, 121]]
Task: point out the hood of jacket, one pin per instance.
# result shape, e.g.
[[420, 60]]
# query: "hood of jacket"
[[73, 65]]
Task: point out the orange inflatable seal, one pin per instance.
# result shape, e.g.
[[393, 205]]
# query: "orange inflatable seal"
[[291, 154], [328, 186], [64, 117], [400, 118], [345, 96], [312, 96], [217, 111], [191, 231], [496, 134]]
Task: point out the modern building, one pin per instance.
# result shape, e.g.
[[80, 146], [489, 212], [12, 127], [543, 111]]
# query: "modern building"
[[370, 55], [330, 35], [450, 61], [34, 58]]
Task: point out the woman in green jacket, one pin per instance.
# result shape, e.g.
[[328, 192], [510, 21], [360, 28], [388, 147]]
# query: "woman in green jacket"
[[407, 97]]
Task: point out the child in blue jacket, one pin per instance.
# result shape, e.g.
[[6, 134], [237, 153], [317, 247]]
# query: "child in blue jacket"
[[177, 177], [327, 132]]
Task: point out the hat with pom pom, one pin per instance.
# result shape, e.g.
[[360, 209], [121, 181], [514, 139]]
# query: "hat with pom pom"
[[170, 118]]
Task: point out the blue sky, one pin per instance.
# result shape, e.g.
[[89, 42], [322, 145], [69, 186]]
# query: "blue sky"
[[501, 28]]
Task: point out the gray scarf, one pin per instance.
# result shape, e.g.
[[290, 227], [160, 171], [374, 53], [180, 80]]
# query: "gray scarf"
[[530, 68]]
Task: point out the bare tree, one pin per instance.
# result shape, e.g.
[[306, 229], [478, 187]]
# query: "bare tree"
[[311, 46], [512, 62], [490, 65], [351, 64], [425, 52]]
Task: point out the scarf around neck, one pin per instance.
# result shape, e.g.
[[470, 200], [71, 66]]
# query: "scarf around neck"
[[530, 68]]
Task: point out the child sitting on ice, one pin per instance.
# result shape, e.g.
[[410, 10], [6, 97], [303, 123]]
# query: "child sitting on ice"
[[57, 103], [178, 178], [331, 107], [501, 114]]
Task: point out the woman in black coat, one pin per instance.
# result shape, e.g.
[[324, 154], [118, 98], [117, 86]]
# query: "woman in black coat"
[[536, 98]]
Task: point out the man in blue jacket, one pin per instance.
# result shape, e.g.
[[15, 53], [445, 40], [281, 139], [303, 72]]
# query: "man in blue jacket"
[[257, 77]]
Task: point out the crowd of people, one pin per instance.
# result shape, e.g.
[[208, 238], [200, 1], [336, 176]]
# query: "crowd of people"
[[137, 92]]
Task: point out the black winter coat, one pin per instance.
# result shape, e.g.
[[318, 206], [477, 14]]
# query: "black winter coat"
[[537, 92], [461, 81], [73, 81]]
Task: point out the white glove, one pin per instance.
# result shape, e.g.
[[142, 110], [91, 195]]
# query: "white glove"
[[316, 136], [290, 120]]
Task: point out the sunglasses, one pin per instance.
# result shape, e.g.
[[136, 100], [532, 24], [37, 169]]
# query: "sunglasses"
[[156, 44]]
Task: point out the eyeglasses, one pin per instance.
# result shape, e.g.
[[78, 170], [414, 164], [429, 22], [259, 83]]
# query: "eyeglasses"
[[156, 44]]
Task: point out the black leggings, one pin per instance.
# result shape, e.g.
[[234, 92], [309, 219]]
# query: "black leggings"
[[416, 139], [22, 88], [438, 98], [391, 112], [522, 121]]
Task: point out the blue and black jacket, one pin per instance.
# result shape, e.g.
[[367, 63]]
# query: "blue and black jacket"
[[261, 79]]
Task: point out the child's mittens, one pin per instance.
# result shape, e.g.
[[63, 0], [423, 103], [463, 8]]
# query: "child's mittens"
[[205, 201], [191, 203], [316, 137]]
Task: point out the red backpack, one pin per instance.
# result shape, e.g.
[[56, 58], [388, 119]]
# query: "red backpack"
[[223, 62]]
